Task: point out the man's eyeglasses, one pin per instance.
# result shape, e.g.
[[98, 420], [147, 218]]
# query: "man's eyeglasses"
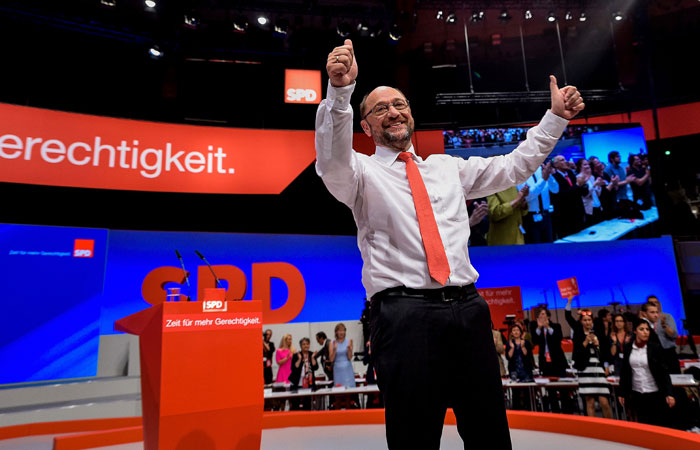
[[585, 313], [382, 108]]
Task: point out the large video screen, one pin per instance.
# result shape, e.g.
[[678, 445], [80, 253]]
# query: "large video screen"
[[595, 186]]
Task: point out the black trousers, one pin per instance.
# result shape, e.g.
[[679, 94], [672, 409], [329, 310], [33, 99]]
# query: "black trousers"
[[431, 355], [650, 408]]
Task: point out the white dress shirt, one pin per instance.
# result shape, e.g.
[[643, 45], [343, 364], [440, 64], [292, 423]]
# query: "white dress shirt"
[[376, 190], [642, 380], [539, 187]]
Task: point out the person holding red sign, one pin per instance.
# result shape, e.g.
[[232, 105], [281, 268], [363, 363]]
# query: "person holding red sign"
[[430, 329]]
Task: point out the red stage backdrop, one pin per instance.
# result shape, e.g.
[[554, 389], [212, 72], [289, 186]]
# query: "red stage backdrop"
[[39, 146], [503, 301]]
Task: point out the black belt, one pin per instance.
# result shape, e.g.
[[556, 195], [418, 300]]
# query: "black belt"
[[445, 294]]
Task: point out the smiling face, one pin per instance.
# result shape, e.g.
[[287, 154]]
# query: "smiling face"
[[392, 129], [515, 332]]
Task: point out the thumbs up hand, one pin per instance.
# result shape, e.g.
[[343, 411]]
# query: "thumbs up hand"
[[566, 101]]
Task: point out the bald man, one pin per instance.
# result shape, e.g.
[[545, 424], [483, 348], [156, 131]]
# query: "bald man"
[[430, 330]]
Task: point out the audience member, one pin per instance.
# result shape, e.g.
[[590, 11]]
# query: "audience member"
[[478, 211], [284, 358], [602, 327], [588, 362], [302, 376], [568, 214], [645, 384], [538, 222], [324, 354], [341, 355], [667, 333], [500, 348], [591, 202], [547, 336], [618, 176], [506, 211], [640, 183], [517, 353], [268, 353], [607, 193], [650, 313], [619, 337]]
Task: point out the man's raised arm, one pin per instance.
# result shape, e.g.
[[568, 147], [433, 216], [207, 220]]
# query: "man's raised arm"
[[335, 159]]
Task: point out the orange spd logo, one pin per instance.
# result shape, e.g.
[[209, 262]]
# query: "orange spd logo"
[[83, 248], [302, 86]]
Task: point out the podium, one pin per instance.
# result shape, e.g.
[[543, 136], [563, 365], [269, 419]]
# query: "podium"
[[201, 374]]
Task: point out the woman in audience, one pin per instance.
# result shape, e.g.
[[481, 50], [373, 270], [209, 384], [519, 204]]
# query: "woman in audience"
[[587, 361], [619, 338], [284, 359], [517, 353], [303, 367], [645, 384], [341, 355], [591, 201], [500, 349]]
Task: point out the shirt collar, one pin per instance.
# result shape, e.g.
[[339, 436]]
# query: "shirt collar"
[[388, 156]]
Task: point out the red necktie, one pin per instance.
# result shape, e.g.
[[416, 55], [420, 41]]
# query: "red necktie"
[[438, 266]]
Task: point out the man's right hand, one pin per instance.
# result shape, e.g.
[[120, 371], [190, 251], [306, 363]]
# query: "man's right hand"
[[341, 65]]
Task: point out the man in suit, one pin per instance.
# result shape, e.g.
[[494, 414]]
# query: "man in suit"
[[551, 359], [548, 335], [568, 202]]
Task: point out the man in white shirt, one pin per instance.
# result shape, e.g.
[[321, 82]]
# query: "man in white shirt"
[[430, 330], [538, 222]]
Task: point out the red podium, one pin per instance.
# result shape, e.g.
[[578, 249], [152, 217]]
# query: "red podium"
[[201, 374]]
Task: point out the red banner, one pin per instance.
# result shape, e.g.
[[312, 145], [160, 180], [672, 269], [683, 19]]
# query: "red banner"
[[39, 146], [568, 287], [503, 301]]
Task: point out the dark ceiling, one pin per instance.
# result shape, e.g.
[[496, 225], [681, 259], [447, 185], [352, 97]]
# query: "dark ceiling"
[[92, 56]]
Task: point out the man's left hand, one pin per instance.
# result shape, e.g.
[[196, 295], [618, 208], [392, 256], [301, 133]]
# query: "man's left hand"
[[567, 101]]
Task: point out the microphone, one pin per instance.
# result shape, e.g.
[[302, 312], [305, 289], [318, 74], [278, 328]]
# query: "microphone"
[[187, 277], [218, 284]]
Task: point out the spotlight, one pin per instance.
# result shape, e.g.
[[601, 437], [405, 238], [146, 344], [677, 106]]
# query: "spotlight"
[[262, 20], [568, 16], [439, 15], [617, 15], [343, 29], [363, 29], [528, 14], [240, 24], [109, 3], [504, 17], [191, 21], [582, 18], [150, 3], [282, 27], [395, 33], [477, 16], [451, 18], [155, 52], [551, 17]]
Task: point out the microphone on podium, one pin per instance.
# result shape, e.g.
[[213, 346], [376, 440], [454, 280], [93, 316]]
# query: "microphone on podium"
[[187, 276], [218, 283]]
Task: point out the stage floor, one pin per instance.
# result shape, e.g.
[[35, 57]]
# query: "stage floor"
[[352, 437]]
